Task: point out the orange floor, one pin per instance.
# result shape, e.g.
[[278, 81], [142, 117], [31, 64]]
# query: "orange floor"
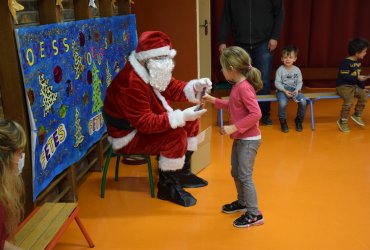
[[313, 190]]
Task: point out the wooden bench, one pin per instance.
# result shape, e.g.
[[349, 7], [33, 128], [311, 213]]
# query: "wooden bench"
[[46, 224], [311, 98]]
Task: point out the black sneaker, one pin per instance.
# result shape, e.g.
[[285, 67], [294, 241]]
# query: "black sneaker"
[[248, 220], [233, 207]]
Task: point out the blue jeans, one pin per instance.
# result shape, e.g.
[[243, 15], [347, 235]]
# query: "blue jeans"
[[262, 60], [283, 101]]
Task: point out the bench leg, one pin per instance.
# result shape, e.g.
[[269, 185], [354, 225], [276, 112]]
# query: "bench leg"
[[72, 216], [84, 232], [312, 115], [220, 117]]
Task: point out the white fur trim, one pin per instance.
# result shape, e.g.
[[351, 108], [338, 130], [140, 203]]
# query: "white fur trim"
[[163, 100], [170, 164], [190, 93], [139, 69], [118, 143], [192, 143], [163, 51], [172, 53], [176, 119]]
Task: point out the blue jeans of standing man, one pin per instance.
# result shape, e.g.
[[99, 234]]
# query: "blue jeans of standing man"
[[283, 101], [262, 60]]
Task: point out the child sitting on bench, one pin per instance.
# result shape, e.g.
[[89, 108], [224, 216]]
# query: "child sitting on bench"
[[350, 84], [288, 83]]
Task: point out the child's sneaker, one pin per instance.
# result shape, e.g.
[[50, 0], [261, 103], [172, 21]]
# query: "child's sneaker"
[[343, 126], [358, 120], [248, 220], [233, 207]]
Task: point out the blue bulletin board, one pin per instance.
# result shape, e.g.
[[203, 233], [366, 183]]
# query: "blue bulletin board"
[[66, 69]]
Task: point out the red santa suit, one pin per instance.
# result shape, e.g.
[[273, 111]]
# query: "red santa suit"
[[141, 121], [155, 126]]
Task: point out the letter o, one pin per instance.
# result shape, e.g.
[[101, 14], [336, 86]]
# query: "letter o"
[[89, 58], [27, 57]]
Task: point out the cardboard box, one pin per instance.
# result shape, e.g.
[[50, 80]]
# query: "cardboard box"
[[202, 157]]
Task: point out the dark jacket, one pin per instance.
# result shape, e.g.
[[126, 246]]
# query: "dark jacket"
[[251, 21], [348, 73]]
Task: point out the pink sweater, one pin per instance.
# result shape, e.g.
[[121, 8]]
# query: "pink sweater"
[[244, 110]]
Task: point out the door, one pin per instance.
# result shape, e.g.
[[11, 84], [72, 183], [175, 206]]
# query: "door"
[[204, 38]]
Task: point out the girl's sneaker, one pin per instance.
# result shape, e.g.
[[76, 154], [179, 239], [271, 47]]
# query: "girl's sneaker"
[[233, 207], [248, 220]]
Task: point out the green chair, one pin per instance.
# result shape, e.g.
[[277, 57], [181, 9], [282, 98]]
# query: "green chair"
[[111, 154]]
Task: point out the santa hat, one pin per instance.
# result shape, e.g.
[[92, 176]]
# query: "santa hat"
[[152, 44]]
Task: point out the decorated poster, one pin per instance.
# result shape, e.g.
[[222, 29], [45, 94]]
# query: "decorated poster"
[[66, 69]]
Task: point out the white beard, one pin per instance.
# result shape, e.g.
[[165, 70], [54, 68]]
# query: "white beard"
[[160, 73]]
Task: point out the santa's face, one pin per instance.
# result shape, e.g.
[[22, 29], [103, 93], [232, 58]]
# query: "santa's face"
[[160, 72]]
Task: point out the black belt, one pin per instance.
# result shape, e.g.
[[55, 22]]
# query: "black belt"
[[117, 122]]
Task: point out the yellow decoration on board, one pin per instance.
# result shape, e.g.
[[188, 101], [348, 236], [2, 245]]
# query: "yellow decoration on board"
[[14, 6], [59, 3]]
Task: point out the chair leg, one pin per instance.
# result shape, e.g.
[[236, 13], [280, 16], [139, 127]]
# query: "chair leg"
[[151, 182], [117, 168], [104, 177]]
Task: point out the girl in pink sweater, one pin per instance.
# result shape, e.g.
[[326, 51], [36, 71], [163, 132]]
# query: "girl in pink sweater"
[[244, 129]]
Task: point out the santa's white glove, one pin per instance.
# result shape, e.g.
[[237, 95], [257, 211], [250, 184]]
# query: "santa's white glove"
[[190, 114], [202, 83]]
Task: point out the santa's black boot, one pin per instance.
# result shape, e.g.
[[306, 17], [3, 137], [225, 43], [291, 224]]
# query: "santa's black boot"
[[170, 189], [186, 177]]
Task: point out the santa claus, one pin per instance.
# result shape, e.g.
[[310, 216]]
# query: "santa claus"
[[141, 121]]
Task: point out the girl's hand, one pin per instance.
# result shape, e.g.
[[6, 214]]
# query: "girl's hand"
[[209, 98], [228, 130]]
